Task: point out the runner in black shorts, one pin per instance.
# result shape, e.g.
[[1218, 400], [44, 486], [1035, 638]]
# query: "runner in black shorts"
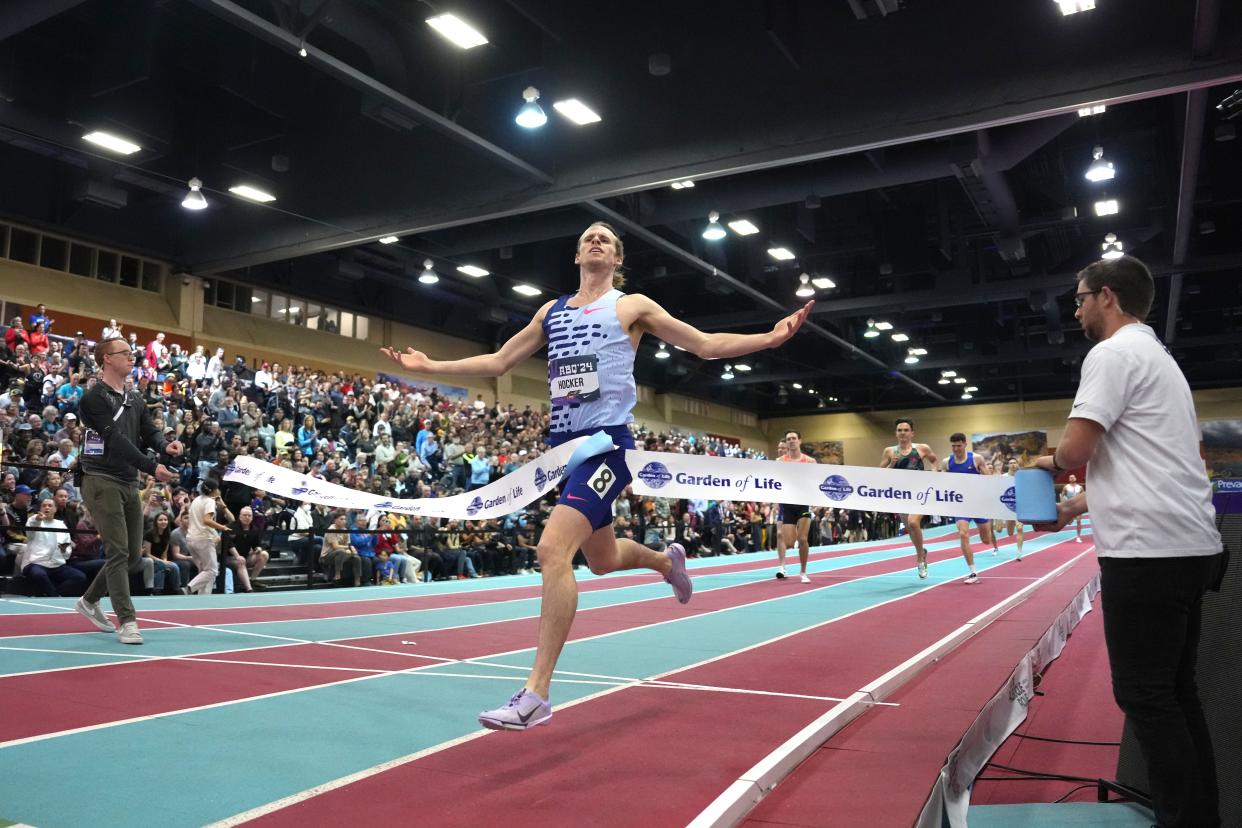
[[795, 518]]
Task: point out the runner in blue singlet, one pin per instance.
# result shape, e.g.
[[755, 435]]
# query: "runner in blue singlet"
[[592, 336], [962, 461]]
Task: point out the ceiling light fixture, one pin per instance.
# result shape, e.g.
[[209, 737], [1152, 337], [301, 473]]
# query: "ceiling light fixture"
[[804, 287], [823, 283], [727, 374], [195, 200], [302, 49], [457, 31], [959, 380], [1112, 247], [471, 270], [782, 254], [919, 351], [970, 389], [1088, 111], [900, 337], [968, 397], [428, 276], [911, 356], [111, 142], [527, 290], [1100, 170], [252, 193], [741, 366], [389, 240], [576, 111], [948, 374], [883, 326], [1107, 207], [662, 353], [797, 386], [683, 185], [743, 227], [1069, 7], [945, 381], [531, 115], [713, 231], [872, 331]]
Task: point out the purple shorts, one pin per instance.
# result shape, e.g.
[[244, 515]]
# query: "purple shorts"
[[593, 486]]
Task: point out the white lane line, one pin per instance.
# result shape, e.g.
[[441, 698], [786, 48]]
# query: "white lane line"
[[327, 787], [290, 641], [789, 596], [737, 800], [832, 553]]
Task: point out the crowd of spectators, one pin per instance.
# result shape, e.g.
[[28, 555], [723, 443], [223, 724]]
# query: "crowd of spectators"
[[384, 437]]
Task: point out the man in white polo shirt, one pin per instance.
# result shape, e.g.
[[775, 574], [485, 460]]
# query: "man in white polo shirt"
[[1154, 529]]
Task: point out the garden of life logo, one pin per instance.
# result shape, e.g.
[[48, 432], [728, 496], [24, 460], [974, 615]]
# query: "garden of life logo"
[[655, 475], [836, 488], [475, 506], [541, 479], [1010, 499]]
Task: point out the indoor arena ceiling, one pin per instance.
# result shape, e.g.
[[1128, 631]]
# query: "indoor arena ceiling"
[[925, 156]]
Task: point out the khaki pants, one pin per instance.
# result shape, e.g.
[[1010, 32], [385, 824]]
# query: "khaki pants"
[[117, 512]]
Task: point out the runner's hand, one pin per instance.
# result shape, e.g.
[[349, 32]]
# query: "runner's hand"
[[410, 360], [788, 326]]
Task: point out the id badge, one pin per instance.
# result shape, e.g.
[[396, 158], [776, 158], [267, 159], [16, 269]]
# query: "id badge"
[[93, 444], [574, 379]]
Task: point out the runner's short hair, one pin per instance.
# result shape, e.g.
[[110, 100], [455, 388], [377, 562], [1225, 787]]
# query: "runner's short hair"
[[905, 420], [957, 437]]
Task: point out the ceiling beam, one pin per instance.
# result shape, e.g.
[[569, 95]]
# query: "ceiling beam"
[[276, 36], [1207, 15], [1012, 289], [589, 184], [758, 296]]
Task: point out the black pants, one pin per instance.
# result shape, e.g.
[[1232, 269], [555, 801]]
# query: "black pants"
[[1151, 627]]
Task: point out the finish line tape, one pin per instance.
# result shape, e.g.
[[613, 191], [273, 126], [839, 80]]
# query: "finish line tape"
[[1030, 494]]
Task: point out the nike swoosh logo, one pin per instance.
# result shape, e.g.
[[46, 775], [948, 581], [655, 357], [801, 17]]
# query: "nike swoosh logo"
[[575, 497], [1079, 405], [526, 718], [591, 310]]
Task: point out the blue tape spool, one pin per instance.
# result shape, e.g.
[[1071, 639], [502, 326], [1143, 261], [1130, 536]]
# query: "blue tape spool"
[[1035, 496], [597, 443]]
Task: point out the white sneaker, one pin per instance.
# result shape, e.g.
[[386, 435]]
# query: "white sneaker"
[[1077, 540], [972, 578], [923, 570], [995, 551], [806, 579], [128, 634], [780, 572], [94, 614]]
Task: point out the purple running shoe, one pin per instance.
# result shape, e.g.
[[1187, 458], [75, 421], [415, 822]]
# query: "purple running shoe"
[[524, 710], [677, 577]]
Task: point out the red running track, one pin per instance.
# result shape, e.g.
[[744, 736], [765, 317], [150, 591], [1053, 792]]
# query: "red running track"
[[675, 749], [880, 769], [169, 685], [61, 623]]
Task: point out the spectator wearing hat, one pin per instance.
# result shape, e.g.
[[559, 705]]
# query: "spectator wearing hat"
[[13, 517], [68, 422]]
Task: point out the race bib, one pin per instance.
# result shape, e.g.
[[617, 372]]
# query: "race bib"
[[92, 444], [574, 379]]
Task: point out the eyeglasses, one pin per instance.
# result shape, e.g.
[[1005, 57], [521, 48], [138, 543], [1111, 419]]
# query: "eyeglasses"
[[1079, 298]]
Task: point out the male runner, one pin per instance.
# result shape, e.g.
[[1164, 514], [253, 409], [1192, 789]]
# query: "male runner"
[[1069, 491], [1014, 527], [592, 336], [962, 461], [908, 454], [795, 519]]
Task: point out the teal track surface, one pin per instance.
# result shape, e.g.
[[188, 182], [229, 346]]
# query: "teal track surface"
[[215, 759]]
